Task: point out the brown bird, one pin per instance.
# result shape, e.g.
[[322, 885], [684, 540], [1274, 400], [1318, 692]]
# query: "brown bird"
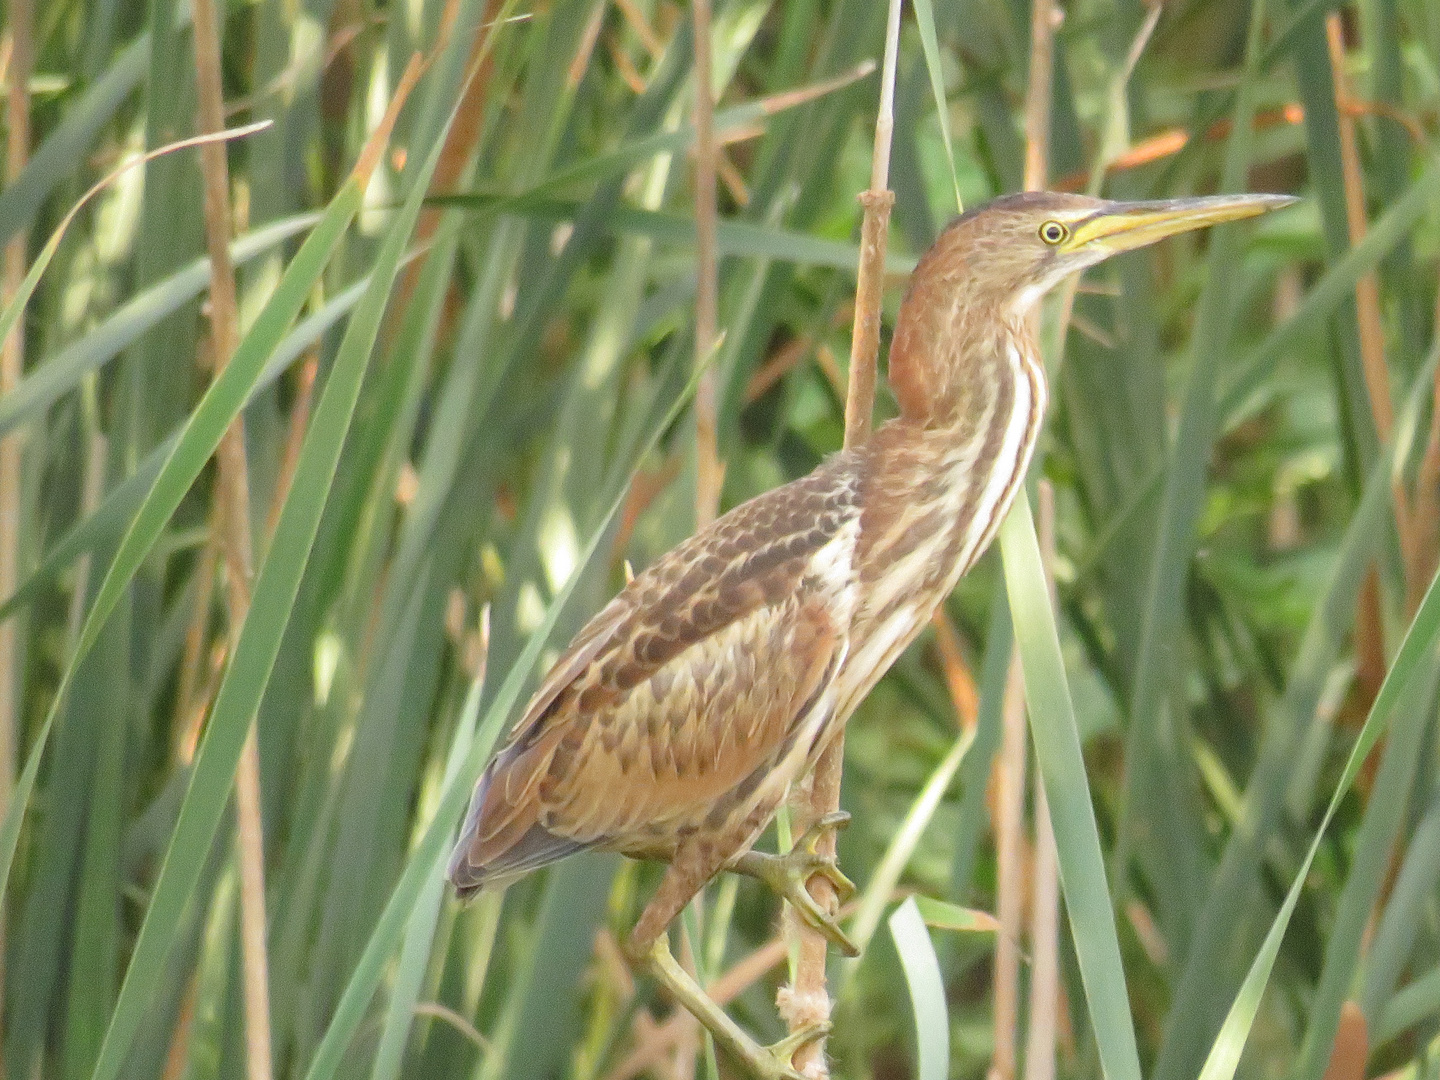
[[679, 718]]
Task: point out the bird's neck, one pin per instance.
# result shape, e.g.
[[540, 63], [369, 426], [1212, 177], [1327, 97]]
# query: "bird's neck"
[[938, 484]]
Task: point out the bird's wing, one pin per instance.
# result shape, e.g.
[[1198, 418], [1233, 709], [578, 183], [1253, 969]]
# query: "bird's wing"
[[686, 691]]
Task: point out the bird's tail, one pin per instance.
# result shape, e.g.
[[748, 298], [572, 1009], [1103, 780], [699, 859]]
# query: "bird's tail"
[[504, 850]]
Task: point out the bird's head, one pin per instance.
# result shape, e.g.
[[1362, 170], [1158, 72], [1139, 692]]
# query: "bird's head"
[[991, 266]]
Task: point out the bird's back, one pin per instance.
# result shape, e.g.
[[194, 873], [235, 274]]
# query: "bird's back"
[[692, 698]]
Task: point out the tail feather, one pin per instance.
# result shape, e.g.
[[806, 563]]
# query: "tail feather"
[[505, 850]]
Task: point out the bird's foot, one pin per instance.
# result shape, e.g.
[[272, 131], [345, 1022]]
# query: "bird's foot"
[[762, 1062], [788, 876]]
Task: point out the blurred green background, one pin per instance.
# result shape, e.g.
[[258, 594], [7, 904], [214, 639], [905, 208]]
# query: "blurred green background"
[[444, 403]]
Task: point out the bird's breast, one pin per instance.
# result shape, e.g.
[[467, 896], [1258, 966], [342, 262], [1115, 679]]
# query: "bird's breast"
[[934, 502]]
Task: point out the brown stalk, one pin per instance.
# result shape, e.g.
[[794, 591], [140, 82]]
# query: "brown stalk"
[[177, 1058], [21, 16], [643, 30], [709, 472], [1352, 1045], [1367, 289], [958, 678], [624, 66], [1045, 901], [1369, 619], [1172, 140], [807, 999], [774, 369], [232, 518], [581, 63], [234, 543], [459, 143]]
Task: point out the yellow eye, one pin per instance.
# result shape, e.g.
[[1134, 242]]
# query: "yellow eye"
[[1053, 232]]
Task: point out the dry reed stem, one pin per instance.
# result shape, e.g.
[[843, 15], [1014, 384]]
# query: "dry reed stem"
[[235, 540], [1367, 289], [708, 469], [233, 517], [807, 999], [1369, 618], [20, 16], [459, 145], [177, 1057], [643, 30], [624, 66], [1045, 900], [1367, 307], [589, 38], [1352, 1045], [959, 680]]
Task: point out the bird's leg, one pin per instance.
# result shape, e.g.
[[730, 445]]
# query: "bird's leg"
[[788, 875], [649, 948]]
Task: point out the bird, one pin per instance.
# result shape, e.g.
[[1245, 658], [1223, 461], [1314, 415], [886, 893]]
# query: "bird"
[[680, 717]]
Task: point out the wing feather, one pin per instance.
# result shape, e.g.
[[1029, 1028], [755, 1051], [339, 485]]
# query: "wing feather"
[[676, 694]]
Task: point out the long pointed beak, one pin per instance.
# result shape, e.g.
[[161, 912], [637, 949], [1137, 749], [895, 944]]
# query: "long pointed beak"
[[1123, 226]]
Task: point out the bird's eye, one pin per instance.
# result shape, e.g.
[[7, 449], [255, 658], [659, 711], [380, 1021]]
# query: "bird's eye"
[[1052, 232]]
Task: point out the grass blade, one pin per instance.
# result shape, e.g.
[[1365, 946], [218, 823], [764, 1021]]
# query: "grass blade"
[[927, 990], [1062, 771]]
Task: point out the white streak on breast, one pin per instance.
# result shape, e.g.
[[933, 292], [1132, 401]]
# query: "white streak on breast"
[[1014, 454], [876, 655], [903, 575], [833, 567]]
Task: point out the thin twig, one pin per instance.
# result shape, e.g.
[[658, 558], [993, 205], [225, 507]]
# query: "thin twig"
[[807, 999], [1043, 17], [708, 470], [235, 541], [21, 17]]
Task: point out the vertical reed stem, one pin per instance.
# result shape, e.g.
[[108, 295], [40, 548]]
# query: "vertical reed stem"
[[235, 545], [808, 1000]]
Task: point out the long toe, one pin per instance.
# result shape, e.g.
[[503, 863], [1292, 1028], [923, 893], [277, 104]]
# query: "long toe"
[[789, 1046], [822, 922], [830, 870]]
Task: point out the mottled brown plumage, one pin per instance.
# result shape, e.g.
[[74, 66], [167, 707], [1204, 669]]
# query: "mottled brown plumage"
[[677, 721]]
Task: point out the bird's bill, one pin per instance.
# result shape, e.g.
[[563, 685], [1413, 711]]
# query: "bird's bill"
[[1126, 225]]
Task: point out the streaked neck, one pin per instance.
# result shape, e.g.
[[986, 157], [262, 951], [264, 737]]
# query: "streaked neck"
[[954, 473]]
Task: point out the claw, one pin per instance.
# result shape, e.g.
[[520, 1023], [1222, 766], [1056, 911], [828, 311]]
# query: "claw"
[[788, 876], [793, 1043], [762, 1062]]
